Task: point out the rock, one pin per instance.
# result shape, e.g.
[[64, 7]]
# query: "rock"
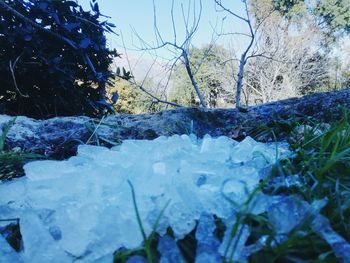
[[44, 136], [58, 137]]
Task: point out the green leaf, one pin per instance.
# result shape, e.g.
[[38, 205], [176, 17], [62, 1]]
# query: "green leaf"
[[4, 133]]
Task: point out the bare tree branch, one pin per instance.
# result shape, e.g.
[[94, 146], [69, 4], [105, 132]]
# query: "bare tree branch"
[[12, 69], [182, 48], [141, 86], [173, 21], [289, 67], [246, 55], [223, 8]]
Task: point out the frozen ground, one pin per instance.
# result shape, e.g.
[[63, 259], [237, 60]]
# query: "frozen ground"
[[81, 209]]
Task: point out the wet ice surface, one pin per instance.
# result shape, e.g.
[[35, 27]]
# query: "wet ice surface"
[[81, 209], [168, 250]]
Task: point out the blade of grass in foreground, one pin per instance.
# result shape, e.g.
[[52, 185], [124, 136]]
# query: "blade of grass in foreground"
[[150, 253]]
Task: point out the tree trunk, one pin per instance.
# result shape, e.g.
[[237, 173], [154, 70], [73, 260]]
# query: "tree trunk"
[[193, 81], [240, 76]]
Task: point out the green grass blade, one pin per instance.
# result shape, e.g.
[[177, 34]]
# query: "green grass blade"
[[137, 212], [155, 225]]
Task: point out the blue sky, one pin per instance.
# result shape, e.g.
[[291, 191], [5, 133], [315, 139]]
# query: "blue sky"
[[138, 15]]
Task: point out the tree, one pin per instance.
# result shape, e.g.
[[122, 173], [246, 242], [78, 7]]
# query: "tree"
[[291, 65], [249, 51], [211, 75], [179, 46], [331, 16], [53, 58], [284, 54], [340, 69], [132, 100]]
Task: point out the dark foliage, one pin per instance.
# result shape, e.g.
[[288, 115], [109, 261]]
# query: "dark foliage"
[[53, 58]]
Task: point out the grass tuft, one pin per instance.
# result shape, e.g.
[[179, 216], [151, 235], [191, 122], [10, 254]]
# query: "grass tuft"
[[12, 161]]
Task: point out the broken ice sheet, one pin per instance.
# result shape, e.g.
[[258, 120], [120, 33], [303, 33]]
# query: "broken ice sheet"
[[340, 246], [136, 259], [216, 149], [286, 213], [249, 149], [7, 253], [232, 247], [82, 206], [207, 243], [39, 246], [169, 252], [289, 212]]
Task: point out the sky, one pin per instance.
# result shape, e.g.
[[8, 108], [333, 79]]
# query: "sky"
[[137, 16]]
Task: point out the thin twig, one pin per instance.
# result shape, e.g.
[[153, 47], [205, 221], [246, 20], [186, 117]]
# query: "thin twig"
[[182, 48], [12, 69], [141, 87], [218, 2]]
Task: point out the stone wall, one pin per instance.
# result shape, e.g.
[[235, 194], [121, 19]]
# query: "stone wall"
[[58, 137]]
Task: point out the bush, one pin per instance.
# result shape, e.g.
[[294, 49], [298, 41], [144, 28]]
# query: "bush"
[[53, 58], [134, 101]]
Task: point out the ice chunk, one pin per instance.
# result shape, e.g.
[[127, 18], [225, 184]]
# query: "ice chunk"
[[7, 253], [259, 203], [92, 152], [261, 153], [47, 170], [159, 168], [181, 219], [169, 252], [131, 233], [242, 152], [75, 240], [105, 259], [257, 246], [39, 246], [207, 243], [11, 194], [90, 258], [82, 207], [238, 188], [218, 149], [101, 155], [341, 248], [195, 205], [233, 247], [290, 212], [283, 182], [287, 212], [136, 259]]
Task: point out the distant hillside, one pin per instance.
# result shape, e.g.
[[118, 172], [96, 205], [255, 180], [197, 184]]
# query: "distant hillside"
[[144, 66]]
